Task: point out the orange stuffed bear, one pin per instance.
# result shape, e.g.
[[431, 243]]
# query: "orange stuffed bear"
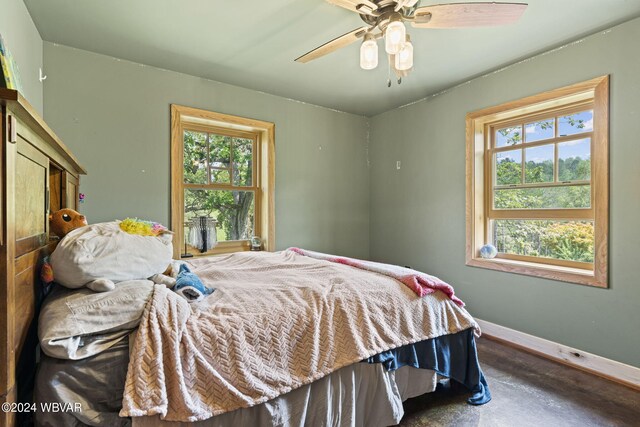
[[64, 221]]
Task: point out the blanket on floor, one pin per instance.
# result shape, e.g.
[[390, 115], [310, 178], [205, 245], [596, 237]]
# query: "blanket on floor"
[[276, 321]]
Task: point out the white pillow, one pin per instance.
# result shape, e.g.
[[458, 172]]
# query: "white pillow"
[[104, 251]]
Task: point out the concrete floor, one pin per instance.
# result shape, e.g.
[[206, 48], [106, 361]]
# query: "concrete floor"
[[528, 391]]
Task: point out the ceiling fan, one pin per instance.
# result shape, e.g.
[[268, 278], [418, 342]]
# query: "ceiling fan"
[[386, 18]]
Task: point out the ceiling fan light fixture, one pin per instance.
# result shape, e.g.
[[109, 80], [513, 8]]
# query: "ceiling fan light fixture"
[[386, 18], [404, 58], [368, 53], [394, 37]]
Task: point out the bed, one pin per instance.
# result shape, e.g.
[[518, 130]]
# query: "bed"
[[288, 338]]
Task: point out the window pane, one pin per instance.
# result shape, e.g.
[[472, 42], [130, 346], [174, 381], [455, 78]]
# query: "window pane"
[[242, 161], [575, 123], [234, 211], [220, 150], [509, 167], [536, 131], [195, 157], [220, 176], [508, 136], [539, 164], [576, 196], [574, 160], [567, 240]]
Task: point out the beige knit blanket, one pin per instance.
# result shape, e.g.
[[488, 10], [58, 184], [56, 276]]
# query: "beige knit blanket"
[[276, 321]]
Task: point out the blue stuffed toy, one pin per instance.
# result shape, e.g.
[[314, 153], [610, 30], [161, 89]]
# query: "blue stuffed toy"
[[189, 286]]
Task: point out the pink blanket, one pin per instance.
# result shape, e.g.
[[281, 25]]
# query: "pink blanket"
[[420, 283]]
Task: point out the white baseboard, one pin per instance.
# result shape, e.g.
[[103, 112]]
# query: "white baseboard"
[[597, 365]]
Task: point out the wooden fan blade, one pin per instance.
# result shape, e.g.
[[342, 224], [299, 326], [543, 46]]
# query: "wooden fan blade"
[[353, 4], [461, 15], [333, 45]]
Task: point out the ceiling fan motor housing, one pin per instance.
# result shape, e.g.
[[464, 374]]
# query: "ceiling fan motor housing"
[[386, 13]]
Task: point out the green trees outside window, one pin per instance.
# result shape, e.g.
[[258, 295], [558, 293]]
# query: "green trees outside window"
[[527, 177], [227, 161]]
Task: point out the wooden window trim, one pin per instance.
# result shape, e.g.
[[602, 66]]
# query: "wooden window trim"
[[546, 113], [263, 134], [593, 92]]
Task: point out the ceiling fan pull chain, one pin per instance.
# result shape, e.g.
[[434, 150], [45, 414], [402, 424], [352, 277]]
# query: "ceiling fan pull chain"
[[389, 74], [399, 80]]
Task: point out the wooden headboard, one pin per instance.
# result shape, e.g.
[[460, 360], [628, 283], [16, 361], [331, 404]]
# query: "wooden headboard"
[[38, 174]]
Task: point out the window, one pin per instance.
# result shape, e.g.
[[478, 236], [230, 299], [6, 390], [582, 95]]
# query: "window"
[[537, 184], [222, 168]]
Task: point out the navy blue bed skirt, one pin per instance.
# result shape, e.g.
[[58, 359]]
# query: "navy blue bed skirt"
[[453, 356]]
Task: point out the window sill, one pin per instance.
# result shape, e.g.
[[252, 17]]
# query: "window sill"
[[545, 271], [221, 248]]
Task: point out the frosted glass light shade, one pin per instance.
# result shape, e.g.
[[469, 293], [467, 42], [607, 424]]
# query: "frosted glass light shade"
[[369, 55], [394, 37], [404, 58]]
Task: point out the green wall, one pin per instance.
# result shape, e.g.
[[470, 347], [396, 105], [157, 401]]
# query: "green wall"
[[114, 115], [418, 212], [23, 40]]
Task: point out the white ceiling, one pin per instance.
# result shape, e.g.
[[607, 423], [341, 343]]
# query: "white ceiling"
[[253, 43]]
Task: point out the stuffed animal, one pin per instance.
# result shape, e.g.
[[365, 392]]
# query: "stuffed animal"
[[189, 286], [64, 221], [99, 255]]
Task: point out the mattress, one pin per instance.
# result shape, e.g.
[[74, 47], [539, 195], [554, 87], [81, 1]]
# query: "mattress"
[[363, 394]]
